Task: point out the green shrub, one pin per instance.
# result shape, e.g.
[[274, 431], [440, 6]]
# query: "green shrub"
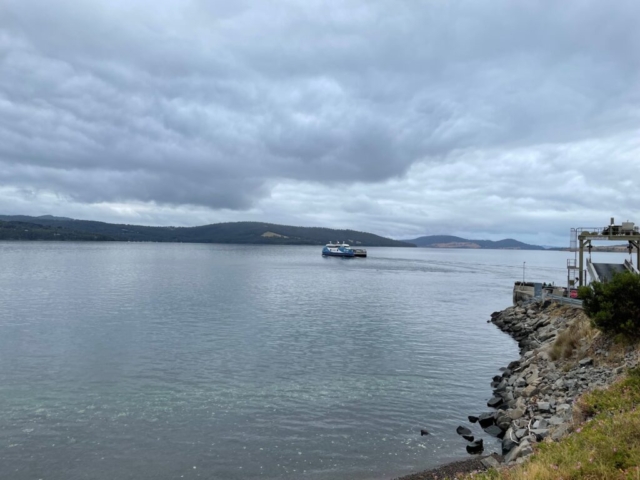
[[614, 307]]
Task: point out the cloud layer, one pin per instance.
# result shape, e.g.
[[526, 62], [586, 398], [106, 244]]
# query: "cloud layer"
[[421, 117]]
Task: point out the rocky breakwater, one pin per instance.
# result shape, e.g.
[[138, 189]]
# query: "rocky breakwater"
[[560, 358]]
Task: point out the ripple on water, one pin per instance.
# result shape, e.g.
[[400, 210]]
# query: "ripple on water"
[[147, 360]]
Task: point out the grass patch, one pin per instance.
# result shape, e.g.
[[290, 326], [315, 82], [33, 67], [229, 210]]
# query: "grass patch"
[[606, 446], [619, 398]]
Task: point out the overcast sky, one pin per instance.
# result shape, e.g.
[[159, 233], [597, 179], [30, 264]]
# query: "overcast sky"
[[479, 118]]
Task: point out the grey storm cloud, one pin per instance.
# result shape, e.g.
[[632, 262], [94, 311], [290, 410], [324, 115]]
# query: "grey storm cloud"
[[215, 103]]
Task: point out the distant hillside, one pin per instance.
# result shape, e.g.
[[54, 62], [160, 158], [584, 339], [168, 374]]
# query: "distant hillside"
[[32, 231], [238, 232], [51, 217], [449, 241]]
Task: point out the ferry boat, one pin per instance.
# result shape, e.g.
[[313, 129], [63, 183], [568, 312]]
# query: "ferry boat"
[[338, 250]]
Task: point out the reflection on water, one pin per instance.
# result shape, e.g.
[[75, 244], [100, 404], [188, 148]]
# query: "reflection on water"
[[154, 361]]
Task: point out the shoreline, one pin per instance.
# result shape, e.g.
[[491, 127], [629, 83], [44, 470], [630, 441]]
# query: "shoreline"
[[451, 469], [533, 397]]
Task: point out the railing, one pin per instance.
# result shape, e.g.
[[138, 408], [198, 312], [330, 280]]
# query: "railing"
[[575, 302], [576, 232], [592, 271], [631, 267]]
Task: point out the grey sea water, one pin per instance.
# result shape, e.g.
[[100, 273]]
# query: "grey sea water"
[[168, 361]]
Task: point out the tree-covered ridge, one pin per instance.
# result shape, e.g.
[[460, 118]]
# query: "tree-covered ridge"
[[234, 232], [449, 241], [32, 231]]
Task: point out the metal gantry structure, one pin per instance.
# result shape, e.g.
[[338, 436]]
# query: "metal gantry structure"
[[582, 237]]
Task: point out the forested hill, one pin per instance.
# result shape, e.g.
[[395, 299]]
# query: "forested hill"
[[449, 241], [31, 231], [237, 232]]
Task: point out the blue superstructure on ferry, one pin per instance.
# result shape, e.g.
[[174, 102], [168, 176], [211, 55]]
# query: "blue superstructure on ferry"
[[338, 250]]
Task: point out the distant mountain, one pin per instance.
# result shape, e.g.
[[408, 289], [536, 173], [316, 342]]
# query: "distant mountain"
[[51, 217], [449, 241], [238, 232]]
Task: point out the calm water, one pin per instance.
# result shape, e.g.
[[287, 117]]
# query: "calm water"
[[169, 361]]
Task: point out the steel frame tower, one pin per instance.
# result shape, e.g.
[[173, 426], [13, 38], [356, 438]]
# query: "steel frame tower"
[[582, 237]]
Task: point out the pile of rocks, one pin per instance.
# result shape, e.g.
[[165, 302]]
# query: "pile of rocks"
[[533, 398]]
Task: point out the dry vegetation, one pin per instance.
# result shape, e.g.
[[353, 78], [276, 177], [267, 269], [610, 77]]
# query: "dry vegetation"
[[574, 341]]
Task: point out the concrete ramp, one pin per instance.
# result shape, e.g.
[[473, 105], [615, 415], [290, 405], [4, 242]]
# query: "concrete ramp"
[[604, 271]]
